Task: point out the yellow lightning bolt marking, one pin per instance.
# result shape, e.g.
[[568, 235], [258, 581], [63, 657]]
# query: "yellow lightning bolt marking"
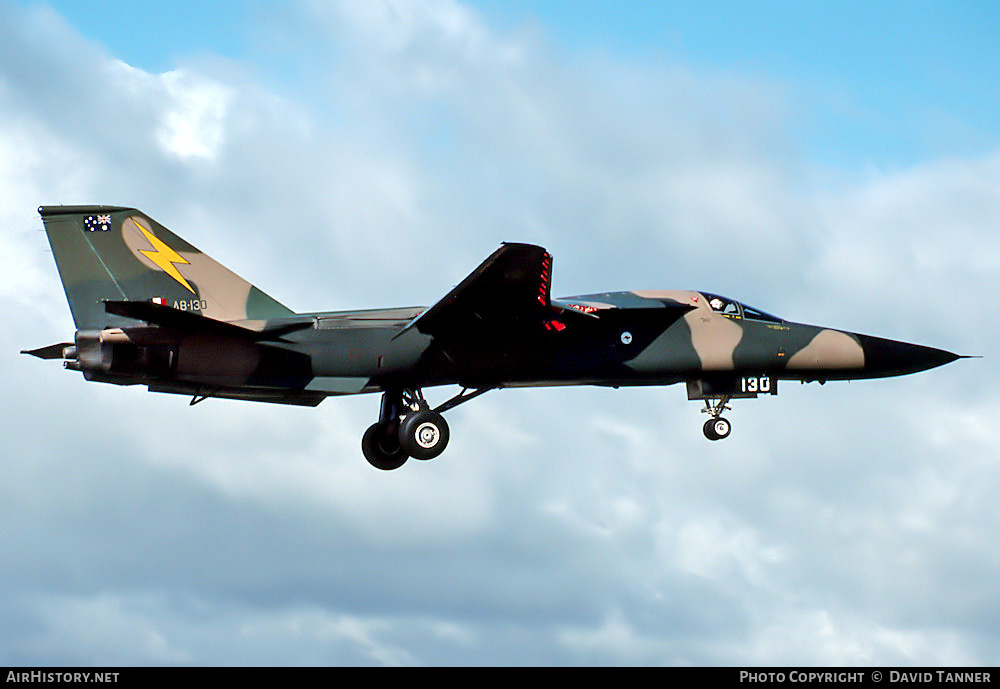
[[163, 256]]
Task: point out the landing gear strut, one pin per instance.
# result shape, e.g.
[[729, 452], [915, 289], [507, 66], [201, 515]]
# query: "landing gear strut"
[[408, 427], [717, 428]]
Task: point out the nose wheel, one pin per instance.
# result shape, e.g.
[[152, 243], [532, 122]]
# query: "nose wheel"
[[717, 427]]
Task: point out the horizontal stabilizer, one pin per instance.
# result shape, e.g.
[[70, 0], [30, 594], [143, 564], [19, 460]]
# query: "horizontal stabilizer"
[[191, 323], [51, 352]]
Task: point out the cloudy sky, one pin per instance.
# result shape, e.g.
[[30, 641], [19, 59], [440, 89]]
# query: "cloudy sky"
[[838, 164]]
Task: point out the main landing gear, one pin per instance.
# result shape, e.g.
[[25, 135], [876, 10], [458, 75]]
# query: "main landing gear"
[[717, 428], [408, 427]]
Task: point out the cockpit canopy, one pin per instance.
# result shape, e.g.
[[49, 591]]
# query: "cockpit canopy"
[[734, 309]]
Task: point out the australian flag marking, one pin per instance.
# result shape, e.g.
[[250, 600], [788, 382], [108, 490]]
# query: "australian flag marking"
[[97, 223]]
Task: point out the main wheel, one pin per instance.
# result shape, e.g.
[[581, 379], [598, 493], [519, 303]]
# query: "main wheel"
[[380, 446], [423, 434], [717, 429]]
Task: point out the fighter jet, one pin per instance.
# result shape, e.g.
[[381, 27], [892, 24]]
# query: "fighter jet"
[[150, 309]]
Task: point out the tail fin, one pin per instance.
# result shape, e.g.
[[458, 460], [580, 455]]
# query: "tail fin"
[[107, 253]]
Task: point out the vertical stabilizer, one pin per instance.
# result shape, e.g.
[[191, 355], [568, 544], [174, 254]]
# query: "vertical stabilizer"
[[108, 253]]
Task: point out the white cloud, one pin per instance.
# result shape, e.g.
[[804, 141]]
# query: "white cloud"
[[915, 242], [104, 630], [432, 46], [834, 641], [193, 120], [317, 627], [708, 549], [615, 641]]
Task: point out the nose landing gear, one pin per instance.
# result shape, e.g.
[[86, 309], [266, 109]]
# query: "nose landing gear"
[[717, 427]]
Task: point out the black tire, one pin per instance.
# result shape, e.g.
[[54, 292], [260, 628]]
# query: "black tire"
[[709, 431], [423, 434], [380, 446]]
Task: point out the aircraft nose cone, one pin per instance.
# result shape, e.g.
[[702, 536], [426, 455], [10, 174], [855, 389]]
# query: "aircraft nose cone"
[[892, 358]]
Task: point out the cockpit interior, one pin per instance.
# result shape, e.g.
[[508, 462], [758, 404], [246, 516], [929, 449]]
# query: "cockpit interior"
[[731, 308]]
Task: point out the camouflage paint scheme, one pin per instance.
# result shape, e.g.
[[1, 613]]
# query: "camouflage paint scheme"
[[151, 309]]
